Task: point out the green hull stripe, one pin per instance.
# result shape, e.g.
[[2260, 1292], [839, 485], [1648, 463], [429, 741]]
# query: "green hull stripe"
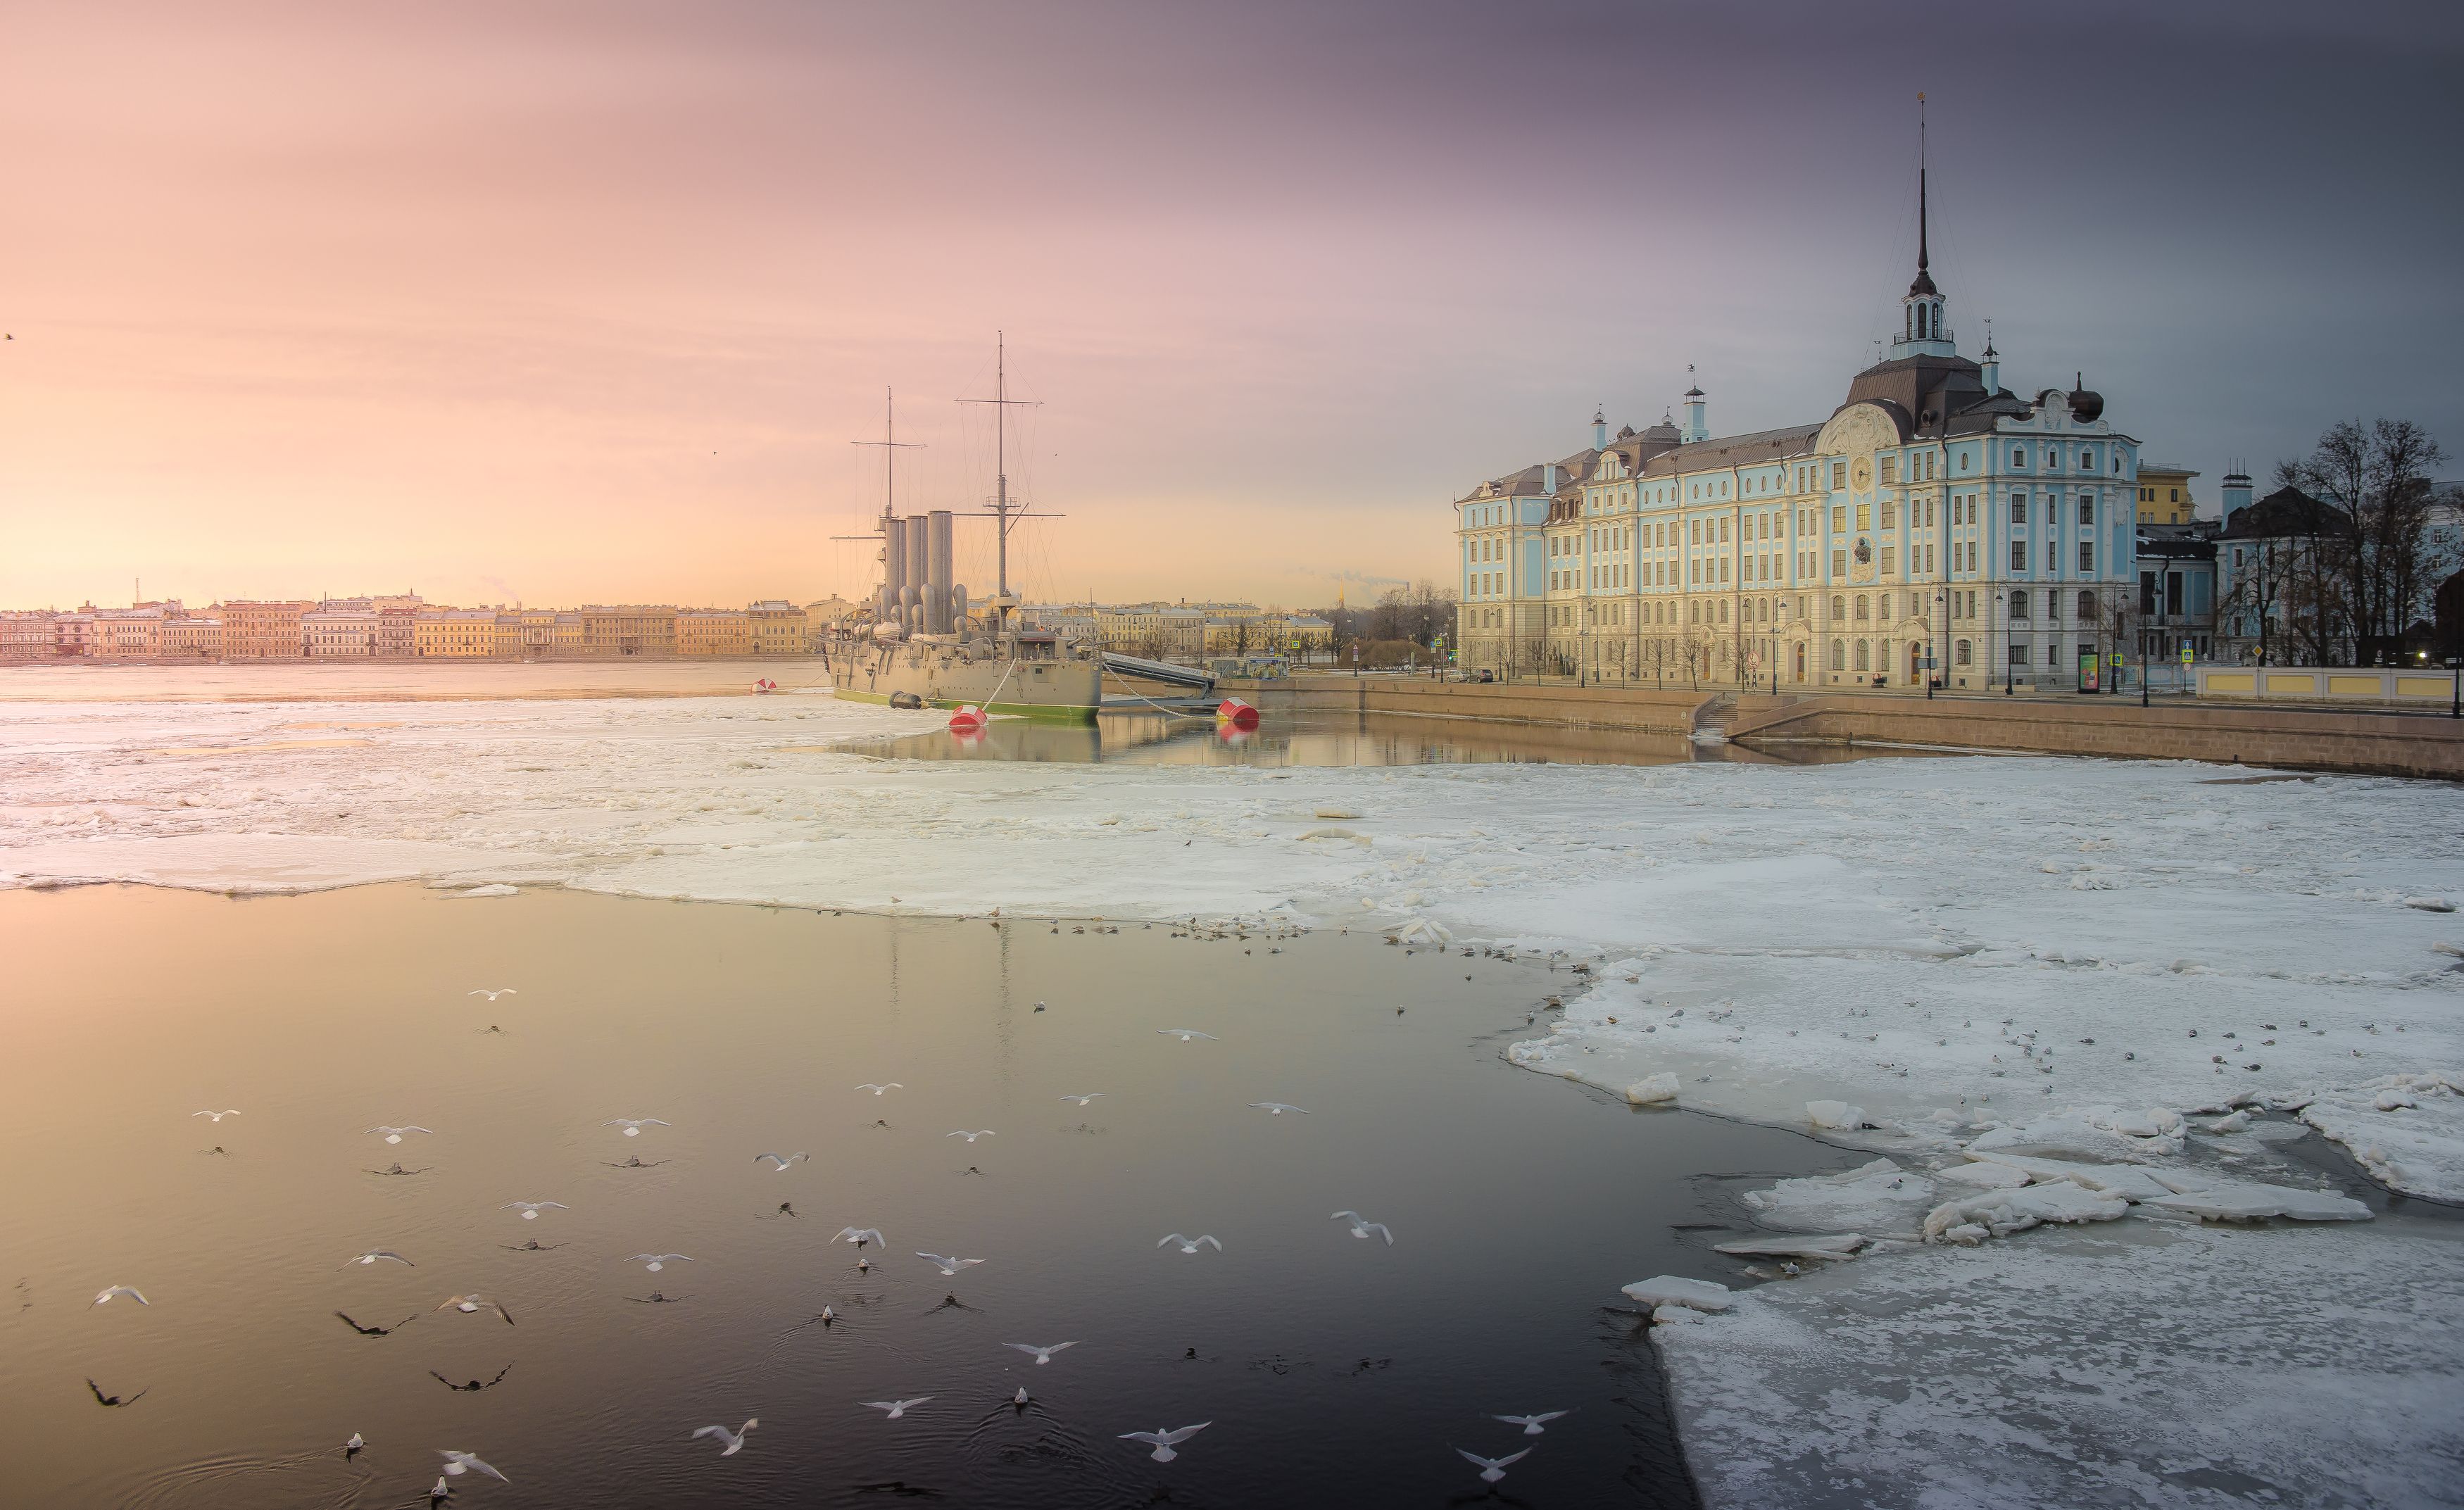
[[1047, 713]]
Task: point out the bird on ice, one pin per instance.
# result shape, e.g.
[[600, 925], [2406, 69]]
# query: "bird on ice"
[[1493, 1469], [1043, 1355], [1163, 1442], [881, 1090], [1187, 1034], [457, 1463], [1531, 1424], [970, 1136], [501, 990], [735, 1439], [633, 1125], [1276, 1108], [530, 1209], [1188, 1244], [781, 1160], [373, 1255], [469, 1304], [232, 1111], [895, 1408], [1362, 1227], [655, 1261], [860, 1236], [948, 1265], [394, 1134], [129, 1290], [1087, 1097]]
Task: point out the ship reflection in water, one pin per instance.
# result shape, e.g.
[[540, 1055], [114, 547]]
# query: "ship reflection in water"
[[1327, 739]]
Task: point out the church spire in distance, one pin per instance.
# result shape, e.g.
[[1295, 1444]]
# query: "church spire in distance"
[[1922, 331]]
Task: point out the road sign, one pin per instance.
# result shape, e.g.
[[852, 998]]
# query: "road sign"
[[2117, 658], [2186, 652]]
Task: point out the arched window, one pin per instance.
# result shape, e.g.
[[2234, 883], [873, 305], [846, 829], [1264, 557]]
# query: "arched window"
[[2019, 605], [2088, 608], [1724, 611], [2088, 510], [1864, 607], [1839, 655], [1961, 654], [1864, 653], [1838, 610]]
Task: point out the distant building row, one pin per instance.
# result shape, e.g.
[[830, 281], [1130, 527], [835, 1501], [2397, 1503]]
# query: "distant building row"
[[405, 628], [1187, 631]]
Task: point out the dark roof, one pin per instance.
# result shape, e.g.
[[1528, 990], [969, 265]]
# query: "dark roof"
[[1733, 451], [1527, 482], [1932, 395], [2284, 513]]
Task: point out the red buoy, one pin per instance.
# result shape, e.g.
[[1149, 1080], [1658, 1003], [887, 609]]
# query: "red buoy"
[[1238, 713], [968, 720]]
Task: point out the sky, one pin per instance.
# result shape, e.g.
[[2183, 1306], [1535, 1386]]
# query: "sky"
[[552, 303]]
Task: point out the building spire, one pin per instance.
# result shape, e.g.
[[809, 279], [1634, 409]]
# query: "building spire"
[[1922, 218], [1923, 332]]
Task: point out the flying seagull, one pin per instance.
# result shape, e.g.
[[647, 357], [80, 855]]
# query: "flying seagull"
[[1492, 1469], [1188, 1244], [394, 1134], [633, 1125], [373, 1255], [501, 990], [655, 1261], [860, 1236], [457, 1463], [895, 1408], [880, 1090], [1276, 1108], [782, 1160], [948, 1265], [1043, 1355], [469, 1304], [1362, 1227], [218, 1116], [735, 1439], [1186, 1034], [1531, 1424], [970, 1136], [1085, 1098], [530, 1209], [129, 1290], [1163, 1442]]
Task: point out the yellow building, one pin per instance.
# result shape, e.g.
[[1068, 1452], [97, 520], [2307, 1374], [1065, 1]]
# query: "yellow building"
[[535, 635], [715, 632], [629, 629], [2164, 494], [778, 627], [455, 634]]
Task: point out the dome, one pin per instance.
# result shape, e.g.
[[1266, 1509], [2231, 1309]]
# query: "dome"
[[2086, 405]]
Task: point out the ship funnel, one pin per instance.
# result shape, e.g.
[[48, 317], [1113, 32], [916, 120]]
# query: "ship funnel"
[[894, 566], [938, 569]]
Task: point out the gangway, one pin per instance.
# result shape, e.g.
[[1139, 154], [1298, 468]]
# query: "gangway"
[[1164, 671]]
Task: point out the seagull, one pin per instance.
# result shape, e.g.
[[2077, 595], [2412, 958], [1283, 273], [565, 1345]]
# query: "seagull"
[[970, 1136], [860, 1236], [949, 1265], [895, 1408], [881, 1090], [781, 1160], [1020, 1399], [501, 990], [1163, 1441], [355, 1442], [633, 1125], [217, 1115], [1276, 1108], [468, 1304], [1085, 1098], [378, 1331], [101, 1398], [394, 1134], [1188, 1244], [735, 1439], [457, 1463], [657, 1261], [1492, 1469], [530, 1209], [1531, 1424], [374, 1254], [1362, 1227], [129, 1290], [437, 1492], [1043, 1355], [1186, 1034]]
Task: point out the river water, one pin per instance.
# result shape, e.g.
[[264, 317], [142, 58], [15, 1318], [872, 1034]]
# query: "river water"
[[1334, 1370]]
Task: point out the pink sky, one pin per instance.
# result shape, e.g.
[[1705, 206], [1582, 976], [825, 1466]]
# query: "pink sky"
[[566, 302]]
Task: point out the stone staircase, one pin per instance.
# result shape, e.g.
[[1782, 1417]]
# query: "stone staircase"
[[1711, 720]]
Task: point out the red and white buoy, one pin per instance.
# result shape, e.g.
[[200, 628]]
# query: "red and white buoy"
[[1237, 713], [764, 685], [967, 720]]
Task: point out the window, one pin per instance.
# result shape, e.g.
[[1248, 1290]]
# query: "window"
[[1864, 607], [2087, 608], [2019, 605], [1960, 653], [1890, 560], [1838, 610], [1724, 611], [2018, 508], [2087, 511], [2054, 654], [1839, 564], [1838, 475], [1890, 515], [1696, 531], [1723, 530], [1890, 469], [1838, 519], [1839, 655], [2018, 556], [1864, 655], [2018, 456], [2088, 558]]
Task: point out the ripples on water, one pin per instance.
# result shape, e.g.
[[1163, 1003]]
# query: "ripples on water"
[[1335, 1371]]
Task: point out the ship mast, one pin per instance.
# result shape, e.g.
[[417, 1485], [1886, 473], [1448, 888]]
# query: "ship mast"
[[1001, 402]]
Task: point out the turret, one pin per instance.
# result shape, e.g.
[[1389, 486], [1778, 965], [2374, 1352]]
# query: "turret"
[[2234, 492], [1600, 428], [1696, 429]]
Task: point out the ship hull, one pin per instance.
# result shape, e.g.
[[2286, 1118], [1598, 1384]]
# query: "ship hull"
[[1060, 692]]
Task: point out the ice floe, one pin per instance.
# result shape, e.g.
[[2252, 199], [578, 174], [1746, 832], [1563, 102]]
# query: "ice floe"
[[1879, 1195]]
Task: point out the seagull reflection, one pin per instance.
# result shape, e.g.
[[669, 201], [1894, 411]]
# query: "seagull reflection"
[[101, 1398], [532, 1246], [398, 1170], [636, 1162], [377, 1332], [474, 1386]]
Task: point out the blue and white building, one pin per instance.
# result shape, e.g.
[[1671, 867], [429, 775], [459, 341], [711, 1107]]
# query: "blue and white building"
[[1935, 519]]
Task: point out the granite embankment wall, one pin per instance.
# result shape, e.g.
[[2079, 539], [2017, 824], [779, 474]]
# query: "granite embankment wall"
[[2302, 739]]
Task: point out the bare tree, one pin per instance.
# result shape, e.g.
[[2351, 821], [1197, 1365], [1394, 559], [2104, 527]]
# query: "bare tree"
[[2370, 558]]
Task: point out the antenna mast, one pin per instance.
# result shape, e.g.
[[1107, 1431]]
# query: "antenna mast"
[[891, 445], [1001, 402]]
